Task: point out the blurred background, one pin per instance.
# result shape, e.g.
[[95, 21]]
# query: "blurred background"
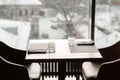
[[21, 20]]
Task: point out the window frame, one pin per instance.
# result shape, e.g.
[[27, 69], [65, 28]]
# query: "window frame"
[[91, 33], [93, 20]]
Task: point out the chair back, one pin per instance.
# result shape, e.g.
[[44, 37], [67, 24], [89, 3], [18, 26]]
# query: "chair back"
[[109, 71], [12, 54], [112, 52], [12, 71]]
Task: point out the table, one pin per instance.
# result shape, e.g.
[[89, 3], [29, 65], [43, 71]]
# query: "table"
[[65, 59]]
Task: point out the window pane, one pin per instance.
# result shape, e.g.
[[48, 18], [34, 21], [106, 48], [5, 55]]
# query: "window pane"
[[14, 28], [63, 18], [107, 24], [47, 19]]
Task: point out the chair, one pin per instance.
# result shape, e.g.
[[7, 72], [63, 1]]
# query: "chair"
[[17, 56], [109, 71], [105, 71], [12, 71], [12, 54], [111, 53], [111, 56]]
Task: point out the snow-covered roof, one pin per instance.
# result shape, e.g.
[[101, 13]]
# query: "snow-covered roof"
[[19, 40], [20, 2]]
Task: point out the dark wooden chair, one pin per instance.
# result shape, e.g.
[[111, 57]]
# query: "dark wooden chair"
[[11, 54], [111, 56], [12, 71], [15, 56], [111, 53]]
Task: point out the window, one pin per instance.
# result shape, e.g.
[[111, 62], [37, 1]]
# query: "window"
[[107, 26], [26, 13], [59, 19], [20, 12], [32, 12], [63, 18]]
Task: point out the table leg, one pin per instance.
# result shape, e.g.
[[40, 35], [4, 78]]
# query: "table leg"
[[61, 70]]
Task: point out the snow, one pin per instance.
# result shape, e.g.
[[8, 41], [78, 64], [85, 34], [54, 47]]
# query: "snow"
[[103, 19], [108, 40], [45, 27], [8, 38], [19, 40], [83, 29], [20, 2], [62, 17]]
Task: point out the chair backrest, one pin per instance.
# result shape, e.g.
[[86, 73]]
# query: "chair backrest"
[[12, 54], [12, 71], [109, 71], [112, 52]]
